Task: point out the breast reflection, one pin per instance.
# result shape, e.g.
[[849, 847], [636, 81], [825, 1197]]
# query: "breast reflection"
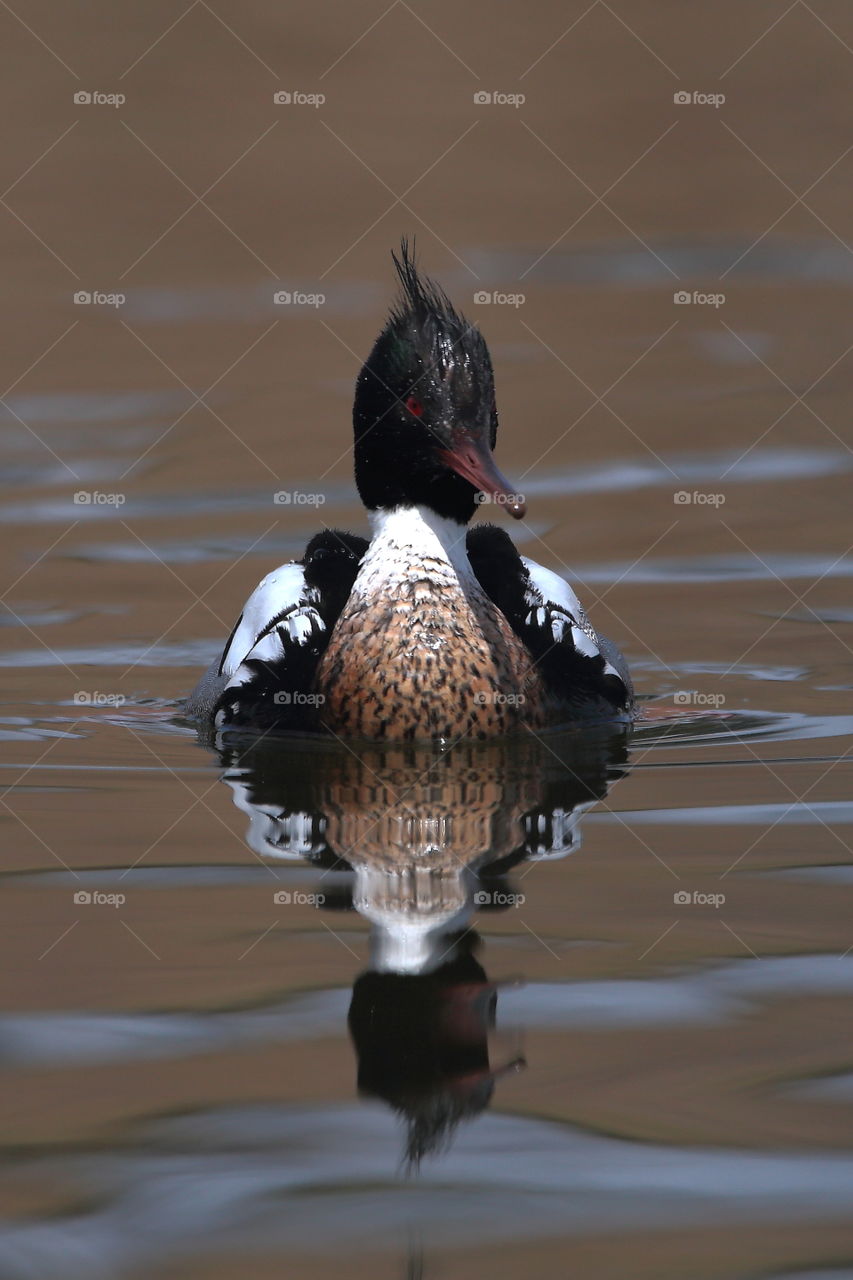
[[425, 837]]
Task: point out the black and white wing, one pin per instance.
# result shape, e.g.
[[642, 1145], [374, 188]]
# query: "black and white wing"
[[273, 651], [554, 609], [265, 674], [577, 663], [575, 650], [282, 609]]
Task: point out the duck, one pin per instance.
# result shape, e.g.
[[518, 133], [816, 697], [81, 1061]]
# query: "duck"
[[430, 629]]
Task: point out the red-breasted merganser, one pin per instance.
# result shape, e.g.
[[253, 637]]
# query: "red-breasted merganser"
[[429, 630]]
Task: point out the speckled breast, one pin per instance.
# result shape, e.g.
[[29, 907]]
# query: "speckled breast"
[[433, 660]]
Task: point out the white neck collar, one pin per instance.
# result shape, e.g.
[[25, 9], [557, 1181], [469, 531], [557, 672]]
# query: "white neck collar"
[[419, 531]]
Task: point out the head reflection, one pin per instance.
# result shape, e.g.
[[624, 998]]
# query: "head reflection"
[[422, 1041], [422, 838]]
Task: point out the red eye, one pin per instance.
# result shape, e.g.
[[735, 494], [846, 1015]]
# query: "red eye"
[[414, 406]]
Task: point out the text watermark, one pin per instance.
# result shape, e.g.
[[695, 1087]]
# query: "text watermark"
[[697, 498], [85, 898], [94, 698], [684, 298], [498, 898], [95, 98], [296, 98], [696, 98], [297, 498], [293, 298], [94, 498], [682, 898], [496, 98], [494, 297], [693, 698]]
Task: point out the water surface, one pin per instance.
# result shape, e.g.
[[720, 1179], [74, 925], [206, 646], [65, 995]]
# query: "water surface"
[[574, 1004]]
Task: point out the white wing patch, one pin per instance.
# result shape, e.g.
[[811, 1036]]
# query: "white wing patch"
[[554, 605], [282, 592]]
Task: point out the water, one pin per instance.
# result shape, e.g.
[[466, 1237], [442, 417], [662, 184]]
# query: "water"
[[575, 1004]]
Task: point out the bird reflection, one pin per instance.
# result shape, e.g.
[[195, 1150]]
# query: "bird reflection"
[[425, 836]]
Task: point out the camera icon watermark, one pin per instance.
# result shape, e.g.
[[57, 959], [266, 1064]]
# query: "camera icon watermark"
[[293, 298], [295, 98], [295, 698], [83, 898], [495, 98], [94, 498], [682, 898], [94, 698], [297, 498], [494, 297], [693, 698], [685, 98], [286, 898], [83, 98], [498, 898], [695, 497], [684, 298]]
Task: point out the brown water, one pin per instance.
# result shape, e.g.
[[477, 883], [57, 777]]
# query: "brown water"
[[480, 957]]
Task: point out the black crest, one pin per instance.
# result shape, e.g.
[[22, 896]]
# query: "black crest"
[[424, 316]]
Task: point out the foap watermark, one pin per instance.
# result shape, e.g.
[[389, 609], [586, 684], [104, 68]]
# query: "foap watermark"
[[89, 298], [297, 498], [496, 98], [83, 898], [684, 298], [95, 498], [286, 698], [494, 297], [500, 499], [296, 98], [284, 898], [682, 898], [693, 698], [293, 298], [95, 98], [695, 98], [697, 498], [94, 698], [498, 898], [494, 698]]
